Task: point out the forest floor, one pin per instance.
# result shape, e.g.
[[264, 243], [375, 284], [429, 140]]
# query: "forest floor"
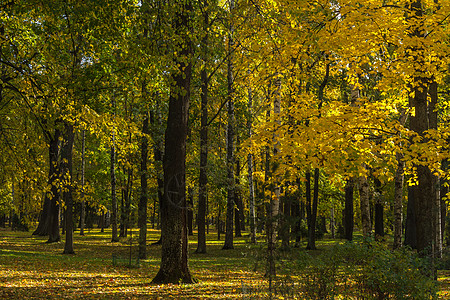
[[32, 269]]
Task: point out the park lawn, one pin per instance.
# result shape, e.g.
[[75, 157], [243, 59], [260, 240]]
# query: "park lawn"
[[32, 269]]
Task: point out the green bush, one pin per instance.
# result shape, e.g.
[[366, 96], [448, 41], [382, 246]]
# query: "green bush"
[[365, 270]]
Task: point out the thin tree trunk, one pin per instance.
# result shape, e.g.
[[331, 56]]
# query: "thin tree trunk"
[[230, 142], [348, 210], [53, 222], [66, 166], [83, 169], [364, 205], [308, 200], [190, 211], [312, 223], [239, 210], [143, 199], [433, 124], [379, 210], [251, 187], [398, 202], [203, 177], [285, 231], [115, 237], [332, 223]]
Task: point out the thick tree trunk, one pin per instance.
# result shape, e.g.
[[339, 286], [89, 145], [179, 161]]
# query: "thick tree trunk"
[[51, 200], [66, 168], [143, 199], [174, 252], [348, 210]]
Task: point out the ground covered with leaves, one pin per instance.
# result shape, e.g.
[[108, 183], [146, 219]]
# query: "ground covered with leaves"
[[32, 269]]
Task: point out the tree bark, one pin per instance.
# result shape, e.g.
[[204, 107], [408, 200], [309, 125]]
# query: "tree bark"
[[143, 199], [174, 255]]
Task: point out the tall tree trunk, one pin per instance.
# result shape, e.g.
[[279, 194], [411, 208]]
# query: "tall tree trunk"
[[53, 222], [230, 142], [66, 166], [312, 222], [190, 211], [379, 210], [419, 123], [285, 228], [348, 210], [174, 252], [398, 201], [436, 209], [203, 177], [83, 169], [308, 200], [365, 206], [239, 210], [251, 187], [114, 237], [398, 191], [143, 199]]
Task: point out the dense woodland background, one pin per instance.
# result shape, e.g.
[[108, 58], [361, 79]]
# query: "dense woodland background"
[[285, 118]]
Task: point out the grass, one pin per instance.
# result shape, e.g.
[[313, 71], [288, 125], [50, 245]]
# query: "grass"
[[32, 269]]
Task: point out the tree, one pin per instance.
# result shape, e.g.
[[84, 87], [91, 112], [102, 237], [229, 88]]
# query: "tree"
[[174, 256]]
